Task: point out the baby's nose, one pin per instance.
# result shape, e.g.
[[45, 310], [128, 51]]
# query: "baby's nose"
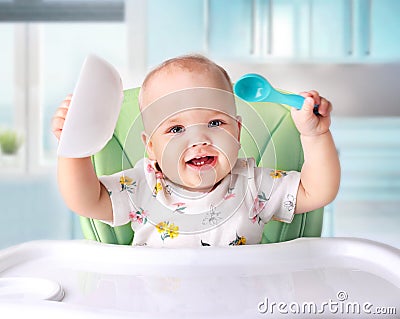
[[199, 135], [204, 143]]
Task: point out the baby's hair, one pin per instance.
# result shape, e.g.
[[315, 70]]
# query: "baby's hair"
[[190, 63]]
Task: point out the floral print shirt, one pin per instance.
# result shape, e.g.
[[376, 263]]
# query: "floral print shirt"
[[163, 214]]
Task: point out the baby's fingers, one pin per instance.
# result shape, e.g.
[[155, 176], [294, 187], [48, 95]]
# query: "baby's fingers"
[[57, 125], [57, 122], [314, 94], [67, 101], [325, 107], [308, 105], [61, 112]]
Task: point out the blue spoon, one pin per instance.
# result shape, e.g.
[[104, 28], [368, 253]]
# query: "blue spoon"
[[255, 88]]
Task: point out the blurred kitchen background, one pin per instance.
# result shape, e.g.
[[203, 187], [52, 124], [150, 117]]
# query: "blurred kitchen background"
[[349, 50]]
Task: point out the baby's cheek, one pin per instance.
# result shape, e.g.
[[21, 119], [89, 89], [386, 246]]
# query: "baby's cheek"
[[161, 152], [227, 164]]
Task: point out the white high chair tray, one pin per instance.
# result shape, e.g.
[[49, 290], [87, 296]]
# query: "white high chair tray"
[[303, 278]]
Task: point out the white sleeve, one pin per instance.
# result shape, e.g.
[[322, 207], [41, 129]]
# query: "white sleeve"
[[121, 188], [279, 190]]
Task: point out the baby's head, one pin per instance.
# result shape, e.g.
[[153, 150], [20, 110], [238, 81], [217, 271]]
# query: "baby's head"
[[191, 127]]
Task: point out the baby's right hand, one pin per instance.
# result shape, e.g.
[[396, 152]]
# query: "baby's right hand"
[[57, 122]]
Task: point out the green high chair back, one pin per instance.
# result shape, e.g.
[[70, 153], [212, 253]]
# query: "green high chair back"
[[278, 147]]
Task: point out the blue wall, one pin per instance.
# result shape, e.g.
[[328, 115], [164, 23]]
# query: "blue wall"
[[31, 209]]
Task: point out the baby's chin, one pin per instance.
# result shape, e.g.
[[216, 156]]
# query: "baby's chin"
[[197, 184]]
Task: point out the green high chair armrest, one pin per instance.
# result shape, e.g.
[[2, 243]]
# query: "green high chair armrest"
[[280, 149]]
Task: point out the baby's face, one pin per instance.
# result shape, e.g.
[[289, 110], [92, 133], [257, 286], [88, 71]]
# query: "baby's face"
[[194, 147]]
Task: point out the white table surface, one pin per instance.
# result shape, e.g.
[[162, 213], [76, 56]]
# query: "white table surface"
[[99, 280]]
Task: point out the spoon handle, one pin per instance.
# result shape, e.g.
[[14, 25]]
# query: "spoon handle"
[[293, 100]]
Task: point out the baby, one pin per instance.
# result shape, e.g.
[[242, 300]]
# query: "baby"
[[192, 190]]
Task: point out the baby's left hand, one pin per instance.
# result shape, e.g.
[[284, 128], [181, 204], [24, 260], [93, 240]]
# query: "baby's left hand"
[[306, 121]]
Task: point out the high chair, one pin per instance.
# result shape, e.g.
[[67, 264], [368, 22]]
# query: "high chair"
[[277, 147], [94, 280]]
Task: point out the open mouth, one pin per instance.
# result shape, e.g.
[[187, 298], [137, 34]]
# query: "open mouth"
[[199, 162]]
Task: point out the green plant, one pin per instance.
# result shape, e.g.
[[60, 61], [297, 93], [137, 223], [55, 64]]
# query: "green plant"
[[10, 141]]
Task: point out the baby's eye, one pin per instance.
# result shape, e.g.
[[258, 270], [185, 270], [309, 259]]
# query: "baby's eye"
[[215, 123], [176, 129]]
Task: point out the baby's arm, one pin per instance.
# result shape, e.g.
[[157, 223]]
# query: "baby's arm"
[[78, 183], [320, 174]]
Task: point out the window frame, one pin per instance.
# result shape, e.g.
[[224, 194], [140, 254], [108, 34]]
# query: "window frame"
[[27, 69], [67, 11]]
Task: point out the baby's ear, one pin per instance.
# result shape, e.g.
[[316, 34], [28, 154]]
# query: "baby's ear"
[[148, 145], [239, 123]]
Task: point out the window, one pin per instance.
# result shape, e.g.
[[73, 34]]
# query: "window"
[[6, 75], [44, 44], [10, 86], [61, 56], [61, 10]]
